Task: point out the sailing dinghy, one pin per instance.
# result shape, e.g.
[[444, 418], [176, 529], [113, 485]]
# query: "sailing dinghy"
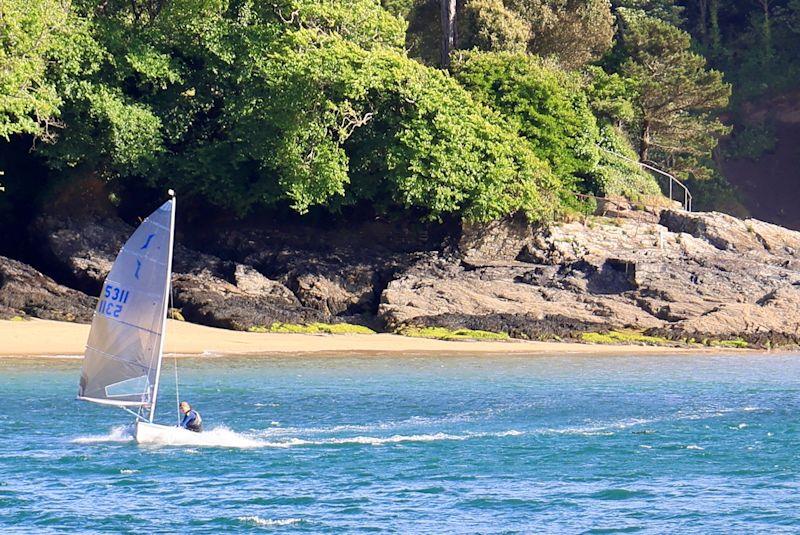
[[122, 362]]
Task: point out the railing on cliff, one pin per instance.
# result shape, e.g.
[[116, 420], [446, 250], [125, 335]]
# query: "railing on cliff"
[[672, 181]]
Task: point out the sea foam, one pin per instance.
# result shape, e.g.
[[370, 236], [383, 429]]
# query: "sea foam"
[[120, 433], [258, 521], [222, 437]]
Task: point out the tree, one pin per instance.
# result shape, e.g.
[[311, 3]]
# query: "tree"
[[678, 98], [574, 32], [449, 38], [667, 10], [33, 34], [547, 105], [299, 103], [490, 26], [766, 28]]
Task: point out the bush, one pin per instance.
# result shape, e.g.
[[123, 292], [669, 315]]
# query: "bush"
[[617, 176]]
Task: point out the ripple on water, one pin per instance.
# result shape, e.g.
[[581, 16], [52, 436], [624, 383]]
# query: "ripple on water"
[[429, 444], [620, 494]]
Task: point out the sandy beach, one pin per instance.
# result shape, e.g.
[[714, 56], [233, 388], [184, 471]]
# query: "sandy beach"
[[37, 337]]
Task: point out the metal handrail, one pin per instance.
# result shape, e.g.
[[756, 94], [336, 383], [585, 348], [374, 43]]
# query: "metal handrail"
[[687, 196]]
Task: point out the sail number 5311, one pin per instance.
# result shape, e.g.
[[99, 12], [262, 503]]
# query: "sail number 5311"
[[114, 299]]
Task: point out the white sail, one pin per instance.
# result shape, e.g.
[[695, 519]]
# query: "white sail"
[[122, 362]]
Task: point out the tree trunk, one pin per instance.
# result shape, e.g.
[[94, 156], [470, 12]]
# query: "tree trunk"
[[766, 31], [716, 37], [448, 30], [702, 20], [644, 148]]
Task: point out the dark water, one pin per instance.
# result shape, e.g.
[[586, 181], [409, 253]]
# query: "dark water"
[[415, 445]]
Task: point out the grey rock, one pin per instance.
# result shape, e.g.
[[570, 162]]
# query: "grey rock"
[[206, 288], [25, 291], [326, 272], [699, 275]]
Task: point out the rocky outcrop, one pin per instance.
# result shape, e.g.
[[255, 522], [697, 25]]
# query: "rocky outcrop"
[[27, 292], [80, 252], [208, 299], [205, 288], [683, 275], [691, 275], [340, 278]]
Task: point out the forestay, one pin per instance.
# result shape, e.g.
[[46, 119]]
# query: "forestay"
[[123, 354]]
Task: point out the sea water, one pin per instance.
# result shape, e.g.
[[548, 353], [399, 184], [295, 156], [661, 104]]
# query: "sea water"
[[414, 444]]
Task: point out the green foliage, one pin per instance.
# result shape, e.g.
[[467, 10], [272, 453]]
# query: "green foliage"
[[568, 32], [490, 26], [617, 176], [545, 104], [734, 343], [573, 32], [34, 34], [306, 103], [130, 133], [442, 333], [611, 96], [363, 22], [667, 10], [398, 8], [423, 39], [677, 96], [313, 328]]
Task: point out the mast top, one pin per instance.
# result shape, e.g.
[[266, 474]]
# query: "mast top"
[[171, 192]]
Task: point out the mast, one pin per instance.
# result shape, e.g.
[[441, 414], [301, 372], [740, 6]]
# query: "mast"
[[166, 304]]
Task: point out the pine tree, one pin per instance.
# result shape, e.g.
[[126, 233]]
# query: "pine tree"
[[678, 97]]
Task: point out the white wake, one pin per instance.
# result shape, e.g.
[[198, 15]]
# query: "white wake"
[[120, 433], [222, 437]]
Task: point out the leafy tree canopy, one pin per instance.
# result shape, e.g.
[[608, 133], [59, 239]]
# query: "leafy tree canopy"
[[33, 35], [301, 102]]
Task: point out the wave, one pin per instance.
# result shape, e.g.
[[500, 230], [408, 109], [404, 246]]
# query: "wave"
[[610, 428], [258, 521], [120, 433], [601, 429], [394, 439], [413, 421], [217, 437]]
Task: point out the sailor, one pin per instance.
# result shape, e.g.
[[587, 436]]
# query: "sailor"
[[191, 418]]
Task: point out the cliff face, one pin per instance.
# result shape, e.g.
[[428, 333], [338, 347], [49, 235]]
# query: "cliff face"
[[679, 275]]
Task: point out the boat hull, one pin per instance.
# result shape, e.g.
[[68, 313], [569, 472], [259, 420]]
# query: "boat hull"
[[147, 433]]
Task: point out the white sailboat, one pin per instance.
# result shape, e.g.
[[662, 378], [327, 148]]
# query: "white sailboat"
[[122, 362]]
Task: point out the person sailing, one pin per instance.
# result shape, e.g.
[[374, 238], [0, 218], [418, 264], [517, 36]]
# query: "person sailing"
[[191, 418]]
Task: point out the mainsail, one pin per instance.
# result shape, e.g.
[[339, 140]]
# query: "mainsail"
[[122, 361]]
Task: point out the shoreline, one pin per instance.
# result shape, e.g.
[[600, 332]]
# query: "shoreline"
[[46, 338]]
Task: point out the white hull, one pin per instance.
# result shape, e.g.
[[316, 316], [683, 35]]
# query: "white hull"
[[147, 433]]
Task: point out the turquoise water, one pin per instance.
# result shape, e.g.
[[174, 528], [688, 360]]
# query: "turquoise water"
[[415, 445]]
